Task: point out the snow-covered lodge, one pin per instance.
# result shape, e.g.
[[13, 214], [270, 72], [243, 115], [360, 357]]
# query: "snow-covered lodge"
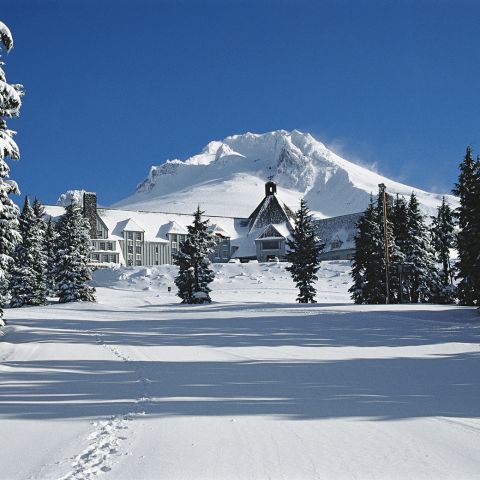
[[126, 237]]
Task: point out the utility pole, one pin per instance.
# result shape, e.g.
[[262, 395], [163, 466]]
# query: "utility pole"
[[383, 193]]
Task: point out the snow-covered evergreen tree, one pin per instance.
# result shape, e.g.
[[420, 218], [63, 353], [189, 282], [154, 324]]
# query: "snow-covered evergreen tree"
[[303, 255], [73, 247], [40, 254], [23, 277], [422, 279], [443, 239], [10, 103], [195, 273], [399, 225], [369, 263], [400, 222], [468, 241], [368, 268], [50, 243]]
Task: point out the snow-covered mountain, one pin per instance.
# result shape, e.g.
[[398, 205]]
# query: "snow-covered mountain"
[[227, 178]]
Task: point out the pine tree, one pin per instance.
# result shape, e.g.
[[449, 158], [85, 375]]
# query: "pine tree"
[[400, 223], [10, 103], [368, 267], [468, 240], [39, 253], [422, 278], [443, 240], [400, 234], [51, 237], [194, 265], [304, 255], [72, 271], [23, 277], [394, 256]]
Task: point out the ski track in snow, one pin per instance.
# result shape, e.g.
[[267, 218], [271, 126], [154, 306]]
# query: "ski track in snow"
[[105, 440]]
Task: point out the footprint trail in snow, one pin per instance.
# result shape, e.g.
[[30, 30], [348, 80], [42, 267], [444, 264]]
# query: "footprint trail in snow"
[[105, 440]]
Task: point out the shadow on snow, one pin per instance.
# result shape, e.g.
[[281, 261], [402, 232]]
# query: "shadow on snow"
[[268, 327], [394, 388], [379, 388]]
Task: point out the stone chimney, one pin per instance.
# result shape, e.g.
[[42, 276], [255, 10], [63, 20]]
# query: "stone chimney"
[[270, 188], [90, 211]]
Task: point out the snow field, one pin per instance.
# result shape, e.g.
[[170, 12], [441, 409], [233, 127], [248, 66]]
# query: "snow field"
[[244, 282], [252, 386]]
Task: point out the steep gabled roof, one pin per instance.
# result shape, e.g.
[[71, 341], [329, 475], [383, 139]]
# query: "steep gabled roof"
[[271, 210], [175, 227], [133, 226]]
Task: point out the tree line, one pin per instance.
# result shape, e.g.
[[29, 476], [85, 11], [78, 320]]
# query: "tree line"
[[50, 259], [402, 258]]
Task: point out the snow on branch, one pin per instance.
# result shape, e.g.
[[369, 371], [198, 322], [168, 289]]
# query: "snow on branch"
[[6, 37], [10, 101]]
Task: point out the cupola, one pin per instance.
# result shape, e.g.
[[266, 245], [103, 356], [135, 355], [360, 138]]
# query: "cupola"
[[270, 188]]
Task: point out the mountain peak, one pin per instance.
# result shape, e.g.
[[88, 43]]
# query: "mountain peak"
[[227, 176]]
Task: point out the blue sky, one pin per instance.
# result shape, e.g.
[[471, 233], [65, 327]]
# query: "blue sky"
[[114, 86]]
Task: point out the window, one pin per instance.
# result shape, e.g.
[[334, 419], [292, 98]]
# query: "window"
[[138, 249], [102, 245], [113, 258], [130, 235], [336, 244], [130, 249], [157, 249], [138, 257], [109, 246], [270, 245], [105, 258], [95, 257], [99, 234], [129, 262], [174, 237], [174, 246], [138, 262], [138, 235]]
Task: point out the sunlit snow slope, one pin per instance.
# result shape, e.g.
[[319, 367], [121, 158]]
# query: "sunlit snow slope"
[[227, 178]]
